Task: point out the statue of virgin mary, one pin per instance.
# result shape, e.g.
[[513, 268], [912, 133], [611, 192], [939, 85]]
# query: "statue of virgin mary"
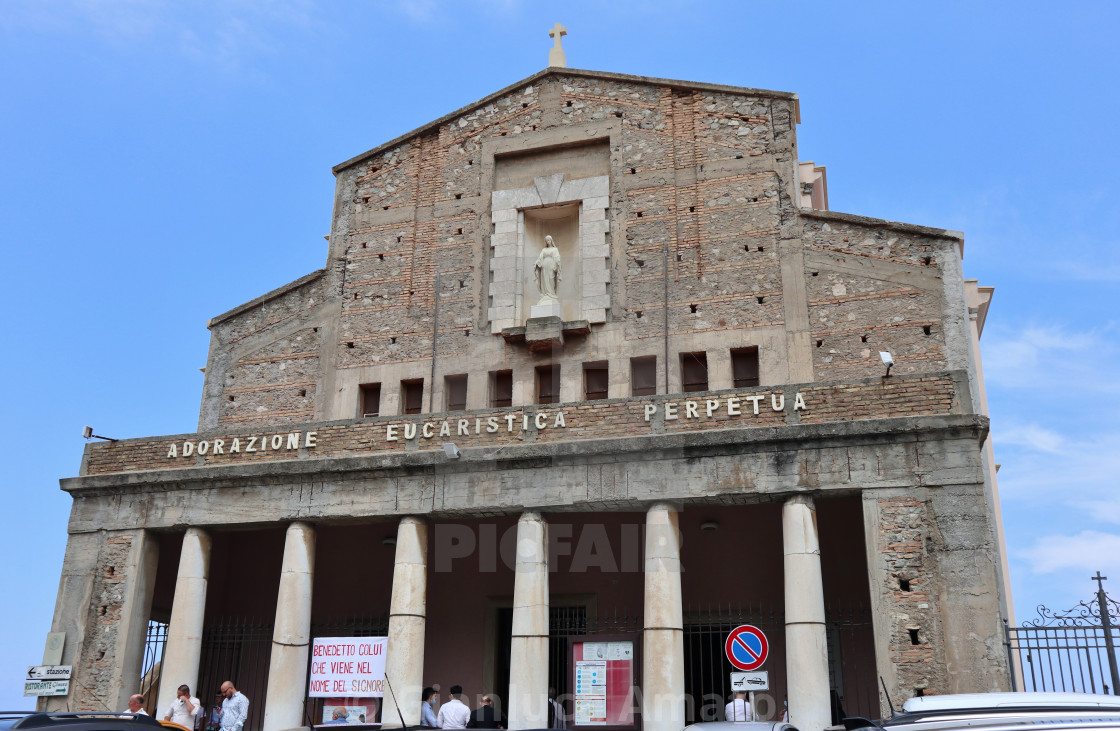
[[546, 272]]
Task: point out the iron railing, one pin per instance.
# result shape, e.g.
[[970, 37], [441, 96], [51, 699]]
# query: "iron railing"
[[155, 642], [236, 649], [1073, 650]]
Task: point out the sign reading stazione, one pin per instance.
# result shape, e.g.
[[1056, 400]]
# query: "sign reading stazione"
[[347, 667]]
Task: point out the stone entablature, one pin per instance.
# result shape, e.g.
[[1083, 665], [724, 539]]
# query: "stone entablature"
[[878, 398]]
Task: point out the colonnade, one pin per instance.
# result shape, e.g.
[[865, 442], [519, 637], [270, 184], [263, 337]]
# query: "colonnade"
[[662, 675]]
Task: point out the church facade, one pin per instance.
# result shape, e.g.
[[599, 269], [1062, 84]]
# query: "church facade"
[[590, 368]]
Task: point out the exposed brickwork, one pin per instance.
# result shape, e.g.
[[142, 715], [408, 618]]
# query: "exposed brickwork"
[[853, 317], [881, 398], [274, 383], [876, 398], [98, 658], [699, 199], [903, 523]]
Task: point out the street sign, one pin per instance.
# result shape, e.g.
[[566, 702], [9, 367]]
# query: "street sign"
[[48, 672], [746, 647], [757, 680], [36, 688]]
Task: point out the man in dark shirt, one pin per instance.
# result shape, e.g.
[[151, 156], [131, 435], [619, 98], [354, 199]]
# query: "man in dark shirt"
[[484, 716]]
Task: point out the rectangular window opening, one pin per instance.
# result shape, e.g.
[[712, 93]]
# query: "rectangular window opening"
[[694, 372], [595, 380], [412, 396], [643, 376], [455, 392], [744, 366], [370, 400], [548, 384], [501, 389]]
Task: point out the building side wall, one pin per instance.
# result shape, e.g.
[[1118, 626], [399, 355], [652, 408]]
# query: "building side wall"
[[264, 364], [104, 602]]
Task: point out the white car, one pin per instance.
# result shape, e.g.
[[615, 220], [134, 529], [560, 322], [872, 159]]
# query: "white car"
[[931, 713]]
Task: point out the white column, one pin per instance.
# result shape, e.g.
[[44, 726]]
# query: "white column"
[[184, 632], [404, 655], [287, 670], [528, 657], [806, 648], [663, 636]]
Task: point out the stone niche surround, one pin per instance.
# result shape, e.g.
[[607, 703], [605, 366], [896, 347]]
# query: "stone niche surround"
[[512, 253]]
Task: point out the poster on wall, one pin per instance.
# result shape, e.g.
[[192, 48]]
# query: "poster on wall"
[[347, 667], [349, 674], [358, 711], [602, 686]]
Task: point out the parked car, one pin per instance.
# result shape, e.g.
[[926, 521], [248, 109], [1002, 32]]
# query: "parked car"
[[96, 721], [931, 713], [740, 726]]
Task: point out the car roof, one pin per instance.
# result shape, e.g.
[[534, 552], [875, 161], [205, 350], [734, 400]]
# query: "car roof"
[[741, 726], [993, 701], [100, 719]]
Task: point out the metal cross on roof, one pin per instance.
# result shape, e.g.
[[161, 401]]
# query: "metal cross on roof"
[[556, 55]]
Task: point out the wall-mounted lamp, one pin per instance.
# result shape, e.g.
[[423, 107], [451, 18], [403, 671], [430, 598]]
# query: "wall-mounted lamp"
[[451, 451], [87, 432], [888, 361], [389, 541], [709, 525]]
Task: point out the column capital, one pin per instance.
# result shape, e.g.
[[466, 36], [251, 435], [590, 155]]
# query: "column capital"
[[801, 499]]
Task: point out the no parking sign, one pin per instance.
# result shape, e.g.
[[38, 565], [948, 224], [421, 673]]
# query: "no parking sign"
[[747, 647]]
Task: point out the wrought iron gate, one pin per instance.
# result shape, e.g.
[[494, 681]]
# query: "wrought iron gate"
[[1074, 650]]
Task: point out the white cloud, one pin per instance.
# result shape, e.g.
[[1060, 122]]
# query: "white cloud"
[[1031, 436], [1086, 551], [230, 35], [1039, 356]]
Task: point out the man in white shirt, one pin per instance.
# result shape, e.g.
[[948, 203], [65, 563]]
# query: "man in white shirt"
[[184, 709], [738, 709], [454, 713], [135, 707]]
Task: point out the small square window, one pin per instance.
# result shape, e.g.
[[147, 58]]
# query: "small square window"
[[370, 399], [501, 389], [455, 390], [643, 376], [694, 372], [744, 366], [548, 384], [595, 380], [412, 396]]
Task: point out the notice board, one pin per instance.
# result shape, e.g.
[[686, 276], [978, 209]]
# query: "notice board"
[[602, 681]]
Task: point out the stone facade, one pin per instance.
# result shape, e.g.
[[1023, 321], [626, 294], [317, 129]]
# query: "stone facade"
[[684, 230]]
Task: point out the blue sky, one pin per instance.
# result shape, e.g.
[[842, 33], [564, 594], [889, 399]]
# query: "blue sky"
[[164, 161]]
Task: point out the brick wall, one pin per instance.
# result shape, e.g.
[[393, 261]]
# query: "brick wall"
[[868, 399], [99, 664], [916, 643], [700, 199]]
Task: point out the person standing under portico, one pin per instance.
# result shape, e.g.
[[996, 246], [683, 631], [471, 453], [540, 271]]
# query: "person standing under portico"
[[235, 708], [738, 709], [427, 715], [184, 709], [454, 713], [135, 706]]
